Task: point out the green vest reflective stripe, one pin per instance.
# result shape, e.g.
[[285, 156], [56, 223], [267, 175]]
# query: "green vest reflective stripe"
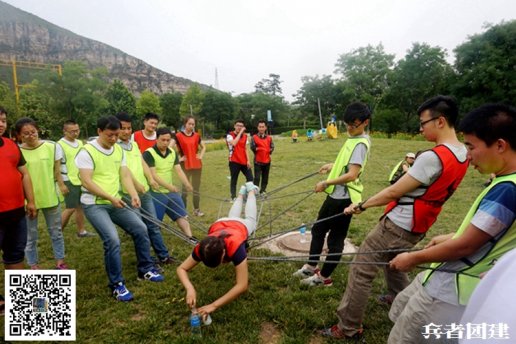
[[70, 153], [466, 284], [40, 163], [163, 166], [395, 169], [355, 187], [106, 170], [133, 158]]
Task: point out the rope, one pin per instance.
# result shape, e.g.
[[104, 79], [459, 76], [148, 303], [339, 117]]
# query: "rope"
[[294, 182]]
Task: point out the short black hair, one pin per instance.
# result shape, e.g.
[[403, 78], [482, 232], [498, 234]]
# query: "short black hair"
[[124, 117], [69, 122], [356, 110], [445, 106], [261, 121], [151, 115], [239, 120], [211, 249], [23, 122], [108, 122], [163, 131], [2, 110], [189, 117], [491, 122]]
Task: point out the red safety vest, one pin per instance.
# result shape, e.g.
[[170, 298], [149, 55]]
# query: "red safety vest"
[[263, 148], [142, 141], [237, 235], [237, 153], [427, 206], [189, 145], [11, 187]]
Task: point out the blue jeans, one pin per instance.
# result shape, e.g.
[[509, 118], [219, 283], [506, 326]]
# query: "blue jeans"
[[103, 218], [169, 203], [53, 221], [153, 229]]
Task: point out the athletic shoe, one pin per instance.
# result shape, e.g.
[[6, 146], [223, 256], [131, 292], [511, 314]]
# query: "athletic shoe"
[[251, 187], [121, 293], [387, 299], [336, 333], [198, 212], [86, 234], [305, 272], [62, 266], [317, 280], [151, 275]]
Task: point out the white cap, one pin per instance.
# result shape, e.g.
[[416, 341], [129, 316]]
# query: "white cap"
[[410, 155]]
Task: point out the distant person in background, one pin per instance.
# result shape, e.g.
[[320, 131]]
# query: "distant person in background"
[[146, 138], [402, 167], [238, 160], [68, 147], [43, 165], [188, 144], [262, 147], [294, 136]]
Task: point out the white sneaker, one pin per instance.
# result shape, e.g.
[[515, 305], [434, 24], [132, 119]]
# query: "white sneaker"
[[305, 271], [317, 280]]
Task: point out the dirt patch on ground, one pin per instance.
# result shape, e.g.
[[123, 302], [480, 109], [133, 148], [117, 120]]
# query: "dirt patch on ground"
[[316, 340], [269, 334]]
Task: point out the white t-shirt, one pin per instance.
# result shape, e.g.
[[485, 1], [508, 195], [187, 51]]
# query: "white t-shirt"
[[83, 160], [426, 169]]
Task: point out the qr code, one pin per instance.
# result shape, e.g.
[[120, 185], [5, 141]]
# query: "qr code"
[[40, 305]]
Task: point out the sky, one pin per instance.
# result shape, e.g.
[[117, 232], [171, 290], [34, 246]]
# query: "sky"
[[246, 40]]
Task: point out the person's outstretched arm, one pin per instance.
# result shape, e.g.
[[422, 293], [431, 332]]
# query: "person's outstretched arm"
[[182, 273]]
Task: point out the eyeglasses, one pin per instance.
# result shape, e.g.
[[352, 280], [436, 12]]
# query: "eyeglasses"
[[422, 124], [354, 126]]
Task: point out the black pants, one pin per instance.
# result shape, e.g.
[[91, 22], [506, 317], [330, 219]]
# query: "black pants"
[[194, 176], [234, 169], [261, 170], [338, 228]]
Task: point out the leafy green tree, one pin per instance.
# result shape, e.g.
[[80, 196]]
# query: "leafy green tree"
[[218, 109], [7, 100], [170, 103], [120, 99], [421, 74], [485, 66], [365, 73], [192, 101], [148, 102], [270, 86], [35, 104], [254, 106]]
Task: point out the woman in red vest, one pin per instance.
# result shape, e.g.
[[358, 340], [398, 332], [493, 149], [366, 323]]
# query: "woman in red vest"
[[188, 143], [226, 242]]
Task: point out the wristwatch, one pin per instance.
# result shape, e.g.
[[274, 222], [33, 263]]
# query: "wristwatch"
[[359, 206]]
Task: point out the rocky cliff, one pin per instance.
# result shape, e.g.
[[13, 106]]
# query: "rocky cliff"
[[29, 38]]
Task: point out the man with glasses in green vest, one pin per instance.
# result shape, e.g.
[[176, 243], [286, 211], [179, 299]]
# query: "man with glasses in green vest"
[[487, 232], [103, 168], [343, 187], [70, 184]]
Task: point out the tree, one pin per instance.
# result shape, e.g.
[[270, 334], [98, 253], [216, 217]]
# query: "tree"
[[7, 100], [170, 103], [254, 106], [218, 108], [120, 99], [485, 66], [148, 102], [365, 72], [271, 86], [421, 74], [192, 101]]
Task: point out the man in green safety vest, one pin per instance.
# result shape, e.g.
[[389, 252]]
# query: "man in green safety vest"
[[487, 232], [402, 167], [103, 168]]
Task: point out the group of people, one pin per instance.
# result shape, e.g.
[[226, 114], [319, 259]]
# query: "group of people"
[[144, 163]]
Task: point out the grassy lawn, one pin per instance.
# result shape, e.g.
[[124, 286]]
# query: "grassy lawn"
[[275, 309]]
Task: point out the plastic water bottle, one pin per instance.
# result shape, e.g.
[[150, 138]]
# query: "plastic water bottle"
[[195, 323], [206, 320], [302, 231]]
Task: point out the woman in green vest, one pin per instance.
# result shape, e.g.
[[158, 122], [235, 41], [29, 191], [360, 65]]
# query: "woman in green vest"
[[43, 166]]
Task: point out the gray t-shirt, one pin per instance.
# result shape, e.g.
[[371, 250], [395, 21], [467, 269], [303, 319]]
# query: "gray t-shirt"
[[357, 158], [426, 169]]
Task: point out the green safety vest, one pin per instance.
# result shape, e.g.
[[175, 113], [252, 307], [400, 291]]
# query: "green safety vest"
[[506, 241], [133, 159], [395, 169], [163, 166], [69, 154], [40, 163], [355, 187], [106, 171]]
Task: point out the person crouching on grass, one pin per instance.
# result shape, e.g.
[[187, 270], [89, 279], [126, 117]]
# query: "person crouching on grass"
[[225, 243]]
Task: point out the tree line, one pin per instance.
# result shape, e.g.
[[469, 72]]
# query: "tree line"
[[484, 70]]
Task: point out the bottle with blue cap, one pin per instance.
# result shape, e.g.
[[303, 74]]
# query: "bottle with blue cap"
[[302, 231], [195, 323]]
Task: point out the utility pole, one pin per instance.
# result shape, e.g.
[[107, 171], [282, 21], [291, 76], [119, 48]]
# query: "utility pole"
[[320, 114]]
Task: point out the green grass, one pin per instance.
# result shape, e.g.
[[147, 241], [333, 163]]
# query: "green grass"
[[159, 315]]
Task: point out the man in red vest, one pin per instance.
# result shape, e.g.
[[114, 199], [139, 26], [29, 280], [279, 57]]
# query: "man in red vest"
[[238, 161], [413, 204], [146, 138], [262, 147]]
